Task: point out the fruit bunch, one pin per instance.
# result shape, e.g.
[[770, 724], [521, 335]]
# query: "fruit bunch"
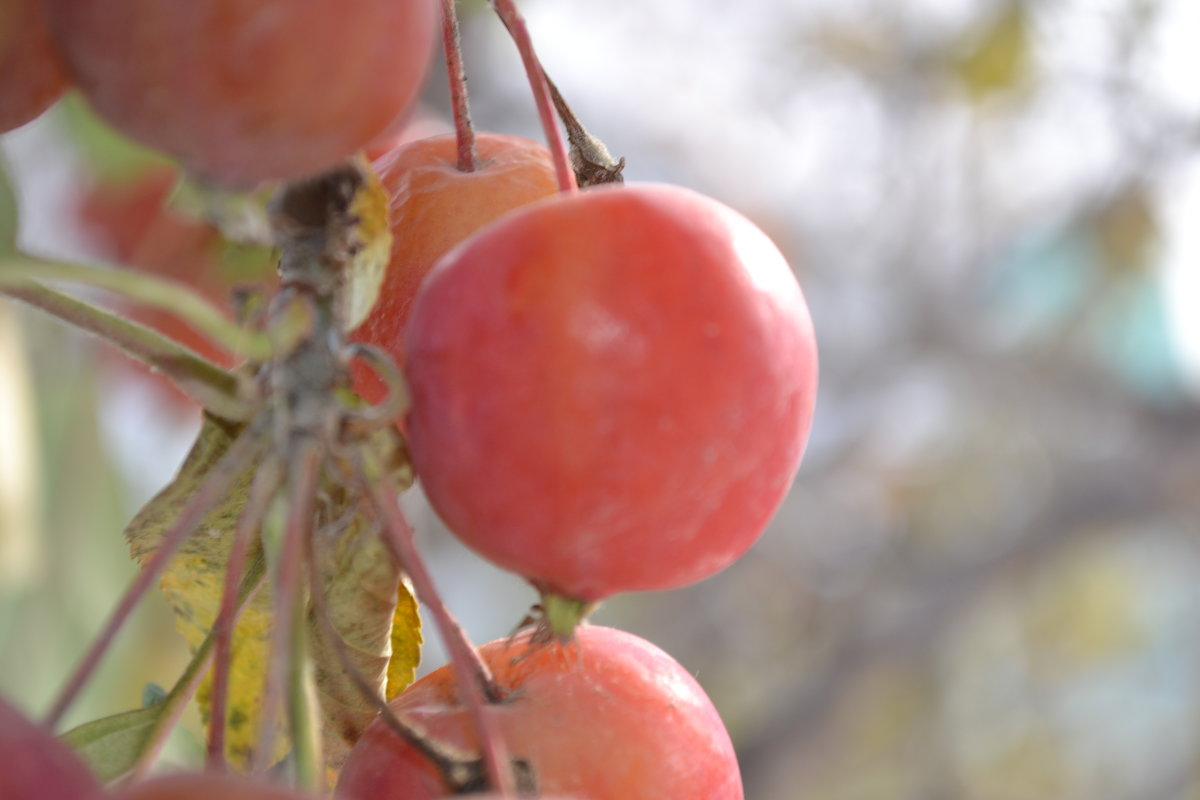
[[601, 387]]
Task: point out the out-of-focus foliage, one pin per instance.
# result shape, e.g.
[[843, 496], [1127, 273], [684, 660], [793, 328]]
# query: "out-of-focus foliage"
[[995, 59], [983, 583]]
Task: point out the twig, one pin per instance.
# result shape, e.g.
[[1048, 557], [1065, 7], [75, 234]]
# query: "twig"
[[590, 159], [512, 19]]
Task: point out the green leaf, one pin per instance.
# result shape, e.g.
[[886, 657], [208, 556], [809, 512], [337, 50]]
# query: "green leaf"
[[111, 745], [9, 214]]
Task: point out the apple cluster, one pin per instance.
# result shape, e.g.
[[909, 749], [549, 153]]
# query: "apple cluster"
[[610, 388]]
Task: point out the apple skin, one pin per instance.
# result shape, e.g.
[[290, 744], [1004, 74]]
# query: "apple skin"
[[242, 91], [609, 716], [206, 786], [434, 207], [611, 391], [34, 76], [35, 765]]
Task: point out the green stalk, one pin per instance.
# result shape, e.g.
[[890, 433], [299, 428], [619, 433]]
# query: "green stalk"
[[303, 715], [19, 269], [286, 652], [208, 384]]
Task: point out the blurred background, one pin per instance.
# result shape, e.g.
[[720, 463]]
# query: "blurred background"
[[984, 583]]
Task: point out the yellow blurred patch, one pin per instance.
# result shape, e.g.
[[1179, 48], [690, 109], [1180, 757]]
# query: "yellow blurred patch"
[[997, 60]]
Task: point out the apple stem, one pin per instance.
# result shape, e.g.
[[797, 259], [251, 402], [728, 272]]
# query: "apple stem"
[[515, 23], [238, 459], [476, 685], [266, 482], [592, 163], [303, 466], [464, 132]]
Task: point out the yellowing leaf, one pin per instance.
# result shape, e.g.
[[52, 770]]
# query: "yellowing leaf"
[[998, 59], [194, 580], [369, 207], [362, 584], [370, 606], [406, 643]]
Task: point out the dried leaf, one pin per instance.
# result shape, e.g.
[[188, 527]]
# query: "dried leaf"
[[370, 606], [193, 581], [375, 615]]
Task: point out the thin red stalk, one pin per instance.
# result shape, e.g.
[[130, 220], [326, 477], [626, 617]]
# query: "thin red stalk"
[[261, 492], [473, 676], [449, 763], [464, 132], [210, 492], [303, 469], [512, 19]]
